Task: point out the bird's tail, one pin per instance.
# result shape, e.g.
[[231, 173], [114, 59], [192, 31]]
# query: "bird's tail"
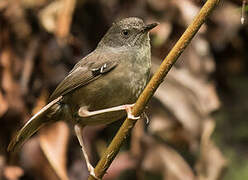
[[33, 125]]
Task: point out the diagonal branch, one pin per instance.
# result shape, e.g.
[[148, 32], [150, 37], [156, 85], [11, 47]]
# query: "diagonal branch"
[[150, 89]]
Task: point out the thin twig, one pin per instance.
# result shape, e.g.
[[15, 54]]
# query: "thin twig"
[[242, 19], [150, 89]]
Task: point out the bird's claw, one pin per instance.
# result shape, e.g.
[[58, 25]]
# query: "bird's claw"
[[129, 112], [92, 172]]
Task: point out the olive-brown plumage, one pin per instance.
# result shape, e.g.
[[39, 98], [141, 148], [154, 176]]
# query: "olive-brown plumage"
[[114, 74]]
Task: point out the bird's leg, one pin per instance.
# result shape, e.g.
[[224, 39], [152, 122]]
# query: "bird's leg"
[[83, 112], [78, 131]]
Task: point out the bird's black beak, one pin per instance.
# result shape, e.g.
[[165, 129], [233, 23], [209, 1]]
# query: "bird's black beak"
[[148, 27]]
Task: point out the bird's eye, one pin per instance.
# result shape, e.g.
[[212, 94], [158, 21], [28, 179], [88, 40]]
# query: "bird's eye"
[[125, 32]]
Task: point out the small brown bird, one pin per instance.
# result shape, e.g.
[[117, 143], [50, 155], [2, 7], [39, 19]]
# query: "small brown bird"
[[101, 86]]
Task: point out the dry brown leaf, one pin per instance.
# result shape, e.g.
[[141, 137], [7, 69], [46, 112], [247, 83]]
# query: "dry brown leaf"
[[174, 98], [53, 142], [211, 161], [34, 161], [197, 58], [28, 64], [8, 83], [4, 104], [17, 20], [3, 4], [202, 94], [227, 17], [64, 18], [13, 172], [158, 5], [166, 126], [33, 4], [188, 98], [2, 165], [49, 14], [162, 158], [188, 12], [7, 80]]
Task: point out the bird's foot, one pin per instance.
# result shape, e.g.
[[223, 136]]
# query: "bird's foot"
[[83, 112], [91, 171], [128, 109]]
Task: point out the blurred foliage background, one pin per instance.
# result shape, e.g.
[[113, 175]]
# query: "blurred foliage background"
[[198, 126]]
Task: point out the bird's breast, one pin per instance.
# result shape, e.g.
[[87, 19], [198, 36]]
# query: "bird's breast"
[[120, 86]]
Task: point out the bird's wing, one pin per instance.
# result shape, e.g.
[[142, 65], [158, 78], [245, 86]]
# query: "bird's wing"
[[86, 70]]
